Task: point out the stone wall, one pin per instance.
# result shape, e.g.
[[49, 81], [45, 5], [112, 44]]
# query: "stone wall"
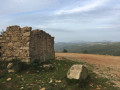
[[41, 46], [25, 44], [15, 43]]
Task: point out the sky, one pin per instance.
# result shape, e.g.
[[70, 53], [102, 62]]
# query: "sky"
[[66, 20]]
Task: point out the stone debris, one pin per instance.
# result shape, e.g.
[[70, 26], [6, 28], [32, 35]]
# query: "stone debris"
[[22, 88], [26, 44], [47, 65], [58, 81], [42, 89], [51, 81], [10, 65], [11, 71], [8, 79], [78, 72]]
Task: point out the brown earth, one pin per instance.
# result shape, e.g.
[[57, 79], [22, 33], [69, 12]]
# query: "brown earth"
[[105, 65]]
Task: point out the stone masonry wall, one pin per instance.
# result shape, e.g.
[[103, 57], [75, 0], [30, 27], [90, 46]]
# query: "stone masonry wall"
[[26, 45], [15, 43], [41, 46]]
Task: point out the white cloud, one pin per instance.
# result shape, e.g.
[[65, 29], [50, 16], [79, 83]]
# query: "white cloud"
[[109, 26], [82, 8], [9, 7]]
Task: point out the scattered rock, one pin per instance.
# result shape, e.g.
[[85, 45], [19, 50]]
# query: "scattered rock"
[[8, 79], [42, 89], [11, 71], [22, 79], [22, 88], [47, 65], [58, 81], [78, 72], [37, 71], [51, 81], [10, 65], [91, 84]]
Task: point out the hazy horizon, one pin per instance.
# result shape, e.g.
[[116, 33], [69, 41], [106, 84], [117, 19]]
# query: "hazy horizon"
[[66, 20], [77, 41]]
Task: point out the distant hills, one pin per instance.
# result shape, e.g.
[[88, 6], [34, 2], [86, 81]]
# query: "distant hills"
[[104, 47]]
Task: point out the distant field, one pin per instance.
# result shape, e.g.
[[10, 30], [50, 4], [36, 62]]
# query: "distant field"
[[108, 65], [103, 48], [106, 60]]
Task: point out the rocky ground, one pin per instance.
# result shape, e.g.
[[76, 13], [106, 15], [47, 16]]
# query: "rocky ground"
[[104, 65]]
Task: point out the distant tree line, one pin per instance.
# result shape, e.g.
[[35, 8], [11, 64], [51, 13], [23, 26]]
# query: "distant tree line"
[[105, 49], [65, 51]]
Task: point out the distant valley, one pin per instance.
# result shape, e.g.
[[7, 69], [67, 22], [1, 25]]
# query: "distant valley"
[[104, 47]]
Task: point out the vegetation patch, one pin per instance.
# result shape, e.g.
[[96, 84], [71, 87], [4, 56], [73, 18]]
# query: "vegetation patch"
[[36, 77]]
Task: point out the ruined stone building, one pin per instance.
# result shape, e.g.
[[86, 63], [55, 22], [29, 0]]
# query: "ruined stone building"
[[26, 44]]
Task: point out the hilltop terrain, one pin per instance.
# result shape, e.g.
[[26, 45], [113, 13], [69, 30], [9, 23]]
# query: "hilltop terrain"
[[102, 74], [104, 65]]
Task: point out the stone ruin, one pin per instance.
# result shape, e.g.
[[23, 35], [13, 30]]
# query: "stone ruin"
[[26, 44]]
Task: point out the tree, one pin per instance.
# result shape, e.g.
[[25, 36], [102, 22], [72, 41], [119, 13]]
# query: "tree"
[[65, 51], [84, 51]]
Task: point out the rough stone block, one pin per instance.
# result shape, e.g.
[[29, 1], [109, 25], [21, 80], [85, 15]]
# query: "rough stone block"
[[78, 72], [26, 34], [10, 65], [25, 48]]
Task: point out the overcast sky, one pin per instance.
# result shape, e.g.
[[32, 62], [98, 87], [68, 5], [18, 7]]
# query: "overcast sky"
[[66, 20]]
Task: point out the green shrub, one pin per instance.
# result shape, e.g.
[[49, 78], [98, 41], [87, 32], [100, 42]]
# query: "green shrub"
[[3, 64], [65, 51], [18, 65], [80, 83], [84, 51], [3, 68], [37, 65]]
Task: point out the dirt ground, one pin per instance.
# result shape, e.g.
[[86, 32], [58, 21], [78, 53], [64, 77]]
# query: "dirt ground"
[[105, 65]]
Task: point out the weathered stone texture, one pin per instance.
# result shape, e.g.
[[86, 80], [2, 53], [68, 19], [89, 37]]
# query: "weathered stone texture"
[[41, 45], [26, 45], [78, 72]]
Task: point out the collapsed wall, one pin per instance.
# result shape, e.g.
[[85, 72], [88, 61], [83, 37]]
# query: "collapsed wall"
[[27, 45], [41, 46], [15, 43]]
